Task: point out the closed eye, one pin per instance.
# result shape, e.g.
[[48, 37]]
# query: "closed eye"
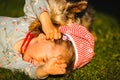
[[45, 59]]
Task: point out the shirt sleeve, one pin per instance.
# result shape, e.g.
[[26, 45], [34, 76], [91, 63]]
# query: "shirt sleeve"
[[39, 6], [22, 66]]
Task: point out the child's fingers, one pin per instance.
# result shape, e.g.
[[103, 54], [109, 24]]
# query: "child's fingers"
[[57, 35], [62, 65], [41, 36], [61, 68], [61, 71], [47, 36], [50, 35], [60, 60], [53, 35]]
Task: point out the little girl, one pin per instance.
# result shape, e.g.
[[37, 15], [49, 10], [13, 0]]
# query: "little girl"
[[74, 50], [15, 29]]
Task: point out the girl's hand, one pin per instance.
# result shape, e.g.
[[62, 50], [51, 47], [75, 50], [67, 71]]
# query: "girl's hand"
[[51, 32], [55, 66], [48, 28]]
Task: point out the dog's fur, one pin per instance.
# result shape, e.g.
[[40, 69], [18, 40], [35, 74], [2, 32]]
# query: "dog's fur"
[[65, 12]]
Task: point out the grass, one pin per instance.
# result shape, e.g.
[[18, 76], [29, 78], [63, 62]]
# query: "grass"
[[104, 66]]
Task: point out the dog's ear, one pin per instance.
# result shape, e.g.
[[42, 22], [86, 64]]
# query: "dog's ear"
[[76, 7]]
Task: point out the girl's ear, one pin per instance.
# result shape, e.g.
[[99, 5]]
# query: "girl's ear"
[[76, 7]]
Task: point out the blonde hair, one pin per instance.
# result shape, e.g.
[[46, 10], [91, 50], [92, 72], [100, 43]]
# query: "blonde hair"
[[70, 53]]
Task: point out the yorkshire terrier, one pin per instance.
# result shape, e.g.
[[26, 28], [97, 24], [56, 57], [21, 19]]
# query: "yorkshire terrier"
[[64, 12]]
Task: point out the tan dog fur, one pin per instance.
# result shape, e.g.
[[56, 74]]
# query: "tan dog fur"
[[64, 12]]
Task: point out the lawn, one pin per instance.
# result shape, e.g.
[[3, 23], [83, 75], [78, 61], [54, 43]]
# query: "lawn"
[[106, 63]]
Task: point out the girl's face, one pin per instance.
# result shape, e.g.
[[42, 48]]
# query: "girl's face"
[[41, 50]]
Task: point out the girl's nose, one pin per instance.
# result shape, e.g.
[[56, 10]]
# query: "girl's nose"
[[36, 63]]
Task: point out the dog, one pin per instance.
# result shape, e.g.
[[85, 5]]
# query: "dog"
[[65, 12]]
